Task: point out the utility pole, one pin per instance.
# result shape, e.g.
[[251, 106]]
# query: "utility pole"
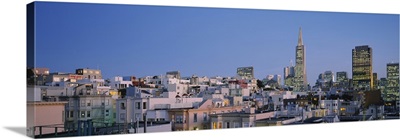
[[145, 122]]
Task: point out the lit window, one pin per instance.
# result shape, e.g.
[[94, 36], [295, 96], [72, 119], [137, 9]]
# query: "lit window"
[[82, 114]]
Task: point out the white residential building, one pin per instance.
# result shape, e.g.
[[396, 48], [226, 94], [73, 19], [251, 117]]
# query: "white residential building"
[[119, 83], [331, 106], [131, 108]]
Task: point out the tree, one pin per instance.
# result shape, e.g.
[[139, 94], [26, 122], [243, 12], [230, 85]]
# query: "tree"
[[260, 84]]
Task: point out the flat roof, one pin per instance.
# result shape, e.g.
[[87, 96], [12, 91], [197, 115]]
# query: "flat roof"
[[276, 119]]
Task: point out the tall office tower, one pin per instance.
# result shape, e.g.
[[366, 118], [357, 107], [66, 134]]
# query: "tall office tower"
[[288, 74], [342, 80], [300, 76], [362, 68], [375, 80], [329, 76], [392, 85], [245, 72], [276, 78], [325, 80], [382, 85]]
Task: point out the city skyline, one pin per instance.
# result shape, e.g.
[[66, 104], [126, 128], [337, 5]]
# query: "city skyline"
[[206, 41]]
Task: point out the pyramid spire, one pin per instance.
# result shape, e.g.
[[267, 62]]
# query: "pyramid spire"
[[300, 43]]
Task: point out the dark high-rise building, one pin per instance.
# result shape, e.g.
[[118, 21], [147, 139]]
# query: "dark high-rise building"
[[392, 85], [382, 85], [342, 79], [300, 76], [245, 72], [375, 80], [362, 68]]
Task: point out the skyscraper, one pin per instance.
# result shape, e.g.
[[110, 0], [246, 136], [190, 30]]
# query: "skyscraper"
[[288, 71], [392, 87], [288, 74], [362, 67], [341, 79], [276, 78], [375, 80], [245, 72], [300, 77]]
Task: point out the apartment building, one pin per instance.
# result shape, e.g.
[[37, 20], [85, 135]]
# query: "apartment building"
[[197, 118]]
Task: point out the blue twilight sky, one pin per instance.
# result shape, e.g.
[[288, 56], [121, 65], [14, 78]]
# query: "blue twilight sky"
[[151, 40]]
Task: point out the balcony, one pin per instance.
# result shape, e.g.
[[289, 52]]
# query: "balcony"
[[172, 106], [181, 105]]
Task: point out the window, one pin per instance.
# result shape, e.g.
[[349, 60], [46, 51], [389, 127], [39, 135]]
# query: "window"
[[236, 124], [88, 114], [246, 124], [214, 126], [123, 106], [71, 103], [88, 104], [83, 103], [179, 119], [228, 125], [195, 117], [122, 116], [82, 114], [63, 116], [137, 115], [107, 102], [137, 105], [204, 116], [71, 114], [144, 105], [107, 112]]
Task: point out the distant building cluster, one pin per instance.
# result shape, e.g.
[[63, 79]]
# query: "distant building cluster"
[[84, 103]]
